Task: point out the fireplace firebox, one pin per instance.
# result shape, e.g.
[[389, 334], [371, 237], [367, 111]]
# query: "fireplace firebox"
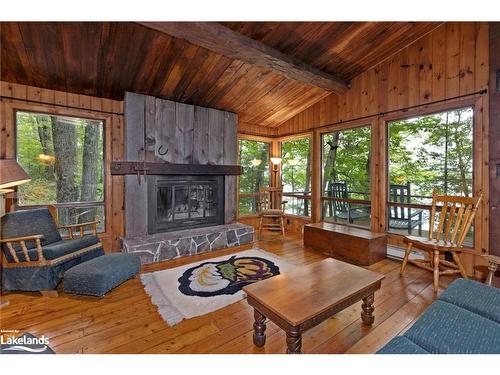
[[183, 202]]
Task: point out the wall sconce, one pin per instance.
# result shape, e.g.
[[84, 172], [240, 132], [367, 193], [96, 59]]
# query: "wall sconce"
[[276, 162], [255, 162]]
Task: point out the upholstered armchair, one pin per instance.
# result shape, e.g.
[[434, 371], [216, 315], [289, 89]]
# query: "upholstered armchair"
[[35, 256]]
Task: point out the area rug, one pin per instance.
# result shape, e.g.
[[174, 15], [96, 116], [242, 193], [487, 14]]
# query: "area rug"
[[202, 287]]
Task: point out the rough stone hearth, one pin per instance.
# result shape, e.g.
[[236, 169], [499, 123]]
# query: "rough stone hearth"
[[170, 245]]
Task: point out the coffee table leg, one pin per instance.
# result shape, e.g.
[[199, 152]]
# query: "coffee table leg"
[[293, 342], [367, 313], [259, 328]]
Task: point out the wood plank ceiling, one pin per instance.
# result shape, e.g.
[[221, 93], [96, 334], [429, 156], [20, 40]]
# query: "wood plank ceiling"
[[105, 59]]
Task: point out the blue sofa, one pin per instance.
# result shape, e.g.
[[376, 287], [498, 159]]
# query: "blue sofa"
[[465, 319]]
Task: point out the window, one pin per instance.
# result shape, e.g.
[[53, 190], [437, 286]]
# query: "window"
[[64, 158], [296, 176], [426, 152], [346, 176], [254, 158]]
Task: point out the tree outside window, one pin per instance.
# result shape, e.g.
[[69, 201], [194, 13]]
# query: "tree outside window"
[[64, 158], [346, 177], [431, 151], [254, 158], [296, 176]]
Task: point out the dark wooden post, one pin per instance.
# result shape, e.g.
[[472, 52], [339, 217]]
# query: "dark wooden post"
[[494, 144]]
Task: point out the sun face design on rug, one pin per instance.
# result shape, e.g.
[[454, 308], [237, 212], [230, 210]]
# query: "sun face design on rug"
[[225, 277]]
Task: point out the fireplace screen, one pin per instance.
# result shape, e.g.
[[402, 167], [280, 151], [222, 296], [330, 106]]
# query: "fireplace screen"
[[177, 203]]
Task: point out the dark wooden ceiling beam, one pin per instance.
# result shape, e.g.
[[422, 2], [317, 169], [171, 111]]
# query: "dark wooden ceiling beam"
[[224, 41]]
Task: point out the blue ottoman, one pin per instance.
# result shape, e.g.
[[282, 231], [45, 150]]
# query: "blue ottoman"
[[98, 276]]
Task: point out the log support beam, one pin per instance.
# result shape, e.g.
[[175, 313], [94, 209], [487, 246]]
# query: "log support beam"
[[224, 41]]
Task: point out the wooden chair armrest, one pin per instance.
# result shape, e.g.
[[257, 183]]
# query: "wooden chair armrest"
[[22, 243], [24, 238], [81, 227]]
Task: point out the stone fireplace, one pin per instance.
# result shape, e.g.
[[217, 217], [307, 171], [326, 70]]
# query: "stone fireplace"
[[180, 179]]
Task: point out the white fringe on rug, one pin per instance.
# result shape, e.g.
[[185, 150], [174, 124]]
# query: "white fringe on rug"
[[174, 306]]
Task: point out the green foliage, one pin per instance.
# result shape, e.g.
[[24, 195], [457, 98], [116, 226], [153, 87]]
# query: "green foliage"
[[253, 176], [296, 174], [428, 151], [433, 151], [351, 161], [35, 153], [295, 169]]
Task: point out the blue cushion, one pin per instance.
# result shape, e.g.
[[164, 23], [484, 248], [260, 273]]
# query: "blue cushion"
[[449, 329], [401, 345], [97, 276], [60, 248], [27, 223], [30, 222], [474, 296]]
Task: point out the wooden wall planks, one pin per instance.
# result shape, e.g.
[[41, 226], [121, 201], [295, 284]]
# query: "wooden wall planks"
[[136, 219], [43, 100], [164, 135], [230, 157], [449, 61], [191, 134]]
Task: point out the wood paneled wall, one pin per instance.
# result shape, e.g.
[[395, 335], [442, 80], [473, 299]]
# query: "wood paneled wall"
[[21, 97], [261, 131], [452, 60]]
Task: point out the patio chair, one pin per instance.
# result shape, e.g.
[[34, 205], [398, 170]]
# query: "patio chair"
[[403, 217], [34, 255], [342, 209]]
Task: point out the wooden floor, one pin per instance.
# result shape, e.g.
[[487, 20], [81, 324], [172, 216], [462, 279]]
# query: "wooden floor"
[[125, 320]]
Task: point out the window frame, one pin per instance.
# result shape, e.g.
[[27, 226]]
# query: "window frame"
[[253, 138], [432, 110], [75, 113], [370, 123], [308, 197]]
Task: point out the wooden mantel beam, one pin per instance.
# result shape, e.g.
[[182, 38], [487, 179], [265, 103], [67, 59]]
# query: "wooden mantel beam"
[[224, 41]]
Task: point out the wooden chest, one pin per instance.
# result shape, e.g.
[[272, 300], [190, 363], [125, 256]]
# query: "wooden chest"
[[349, 244]]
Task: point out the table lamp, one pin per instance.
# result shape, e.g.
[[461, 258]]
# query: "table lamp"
[[11, 174]]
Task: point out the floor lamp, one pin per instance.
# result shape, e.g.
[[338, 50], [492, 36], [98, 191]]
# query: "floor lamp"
[[11, 175]]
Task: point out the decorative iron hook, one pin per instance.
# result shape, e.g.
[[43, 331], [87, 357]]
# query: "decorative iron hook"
[[160, 152]]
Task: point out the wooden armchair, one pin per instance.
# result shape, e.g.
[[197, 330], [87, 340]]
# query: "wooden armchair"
[[271, 206], [454, 219], [34, 255]]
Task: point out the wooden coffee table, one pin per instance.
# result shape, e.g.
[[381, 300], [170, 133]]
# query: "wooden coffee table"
[[302, 299]]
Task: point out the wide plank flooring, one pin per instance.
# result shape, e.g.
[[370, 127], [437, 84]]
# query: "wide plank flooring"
[[125, 320]]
